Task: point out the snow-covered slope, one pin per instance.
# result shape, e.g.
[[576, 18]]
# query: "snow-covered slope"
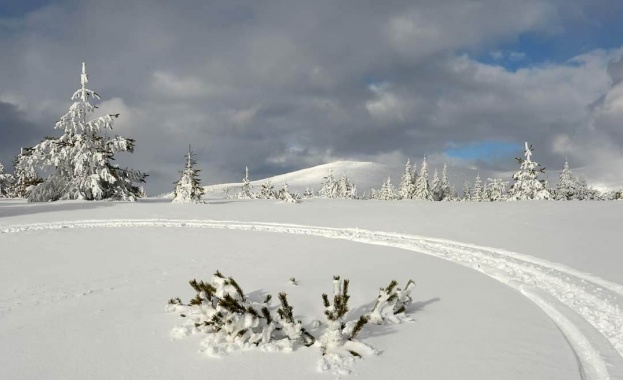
[[83, 285], [364, 174]]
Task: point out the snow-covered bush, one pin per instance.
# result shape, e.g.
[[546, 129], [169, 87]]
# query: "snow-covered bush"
[[286, 196], [188, 188], [268, 191], [527, 185], [80, 159], [232, 321]]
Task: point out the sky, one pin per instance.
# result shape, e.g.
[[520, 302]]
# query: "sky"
[[283, 85]]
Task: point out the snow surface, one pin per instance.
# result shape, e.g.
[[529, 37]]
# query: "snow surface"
[[83, 285]]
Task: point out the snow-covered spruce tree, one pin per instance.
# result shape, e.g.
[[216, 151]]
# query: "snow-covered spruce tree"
[[6, 183], [188, 188], [467, 191], [477, 193], [246, 191], [79, 161], [329, 186], [527, 185], [406, 189], [446, 191], [422, 187], [496, 189], [25, 177], [567, 188], [346, 188], [287, 197], [268, 191], [436, 187], [387, 192], [454, 194]]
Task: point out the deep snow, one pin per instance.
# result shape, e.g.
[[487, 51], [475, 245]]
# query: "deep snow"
[[86, 300]]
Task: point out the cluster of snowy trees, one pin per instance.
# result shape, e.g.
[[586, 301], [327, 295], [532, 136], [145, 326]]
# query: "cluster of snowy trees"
[[526, 185], [266, 192], [77, 164]]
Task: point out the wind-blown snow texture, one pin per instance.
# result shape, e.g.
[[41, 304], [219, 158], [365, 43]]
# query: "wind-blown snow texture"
[[585, 307]]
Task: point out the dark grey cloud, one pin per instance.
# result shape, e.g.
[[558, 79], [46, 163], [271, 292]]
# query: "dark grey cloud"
[[16, 132], [280, 85]]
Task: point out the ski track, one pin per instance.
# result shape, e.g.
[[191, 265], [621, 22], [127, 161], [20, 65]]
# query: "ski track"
[[586, 308]]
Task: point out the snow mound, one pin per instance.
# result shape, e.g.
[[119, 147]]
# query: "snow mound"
[[364, 174]]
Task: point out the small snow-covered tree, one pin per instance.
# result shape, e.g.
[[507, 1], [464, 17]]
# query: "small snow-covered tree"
[[407, 184], [246, 191], [495, 190], [287, 197], [309, 193], [6, 182], [188, 188], [387, 192], [80, 160], [477, 193], [268, 190], [422, 187], [527, 184]]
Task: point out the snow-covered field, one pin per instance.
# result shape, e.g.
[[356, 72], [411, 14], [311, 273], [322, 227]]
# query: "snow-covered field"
[[508, 290]]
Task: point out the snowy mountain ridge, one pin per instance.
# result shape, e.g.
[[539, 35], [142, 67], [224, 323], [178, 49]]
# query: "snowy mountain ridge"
[[364, 174]]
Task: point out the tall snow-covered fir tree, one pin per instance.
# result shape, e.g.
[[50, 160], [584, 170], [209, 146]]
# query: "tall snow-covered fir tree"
[[477, 192], [387, 191], [467, 191], [422, 187], [436, 187], [188, 188], [406, 189], [446, 190], [6, 182], [567, 188], [79, 161], [527, 184]]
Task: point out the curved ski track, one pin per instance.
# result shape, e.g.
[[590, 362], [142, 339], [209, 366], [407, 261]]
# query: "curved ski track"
[[587, 309]]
